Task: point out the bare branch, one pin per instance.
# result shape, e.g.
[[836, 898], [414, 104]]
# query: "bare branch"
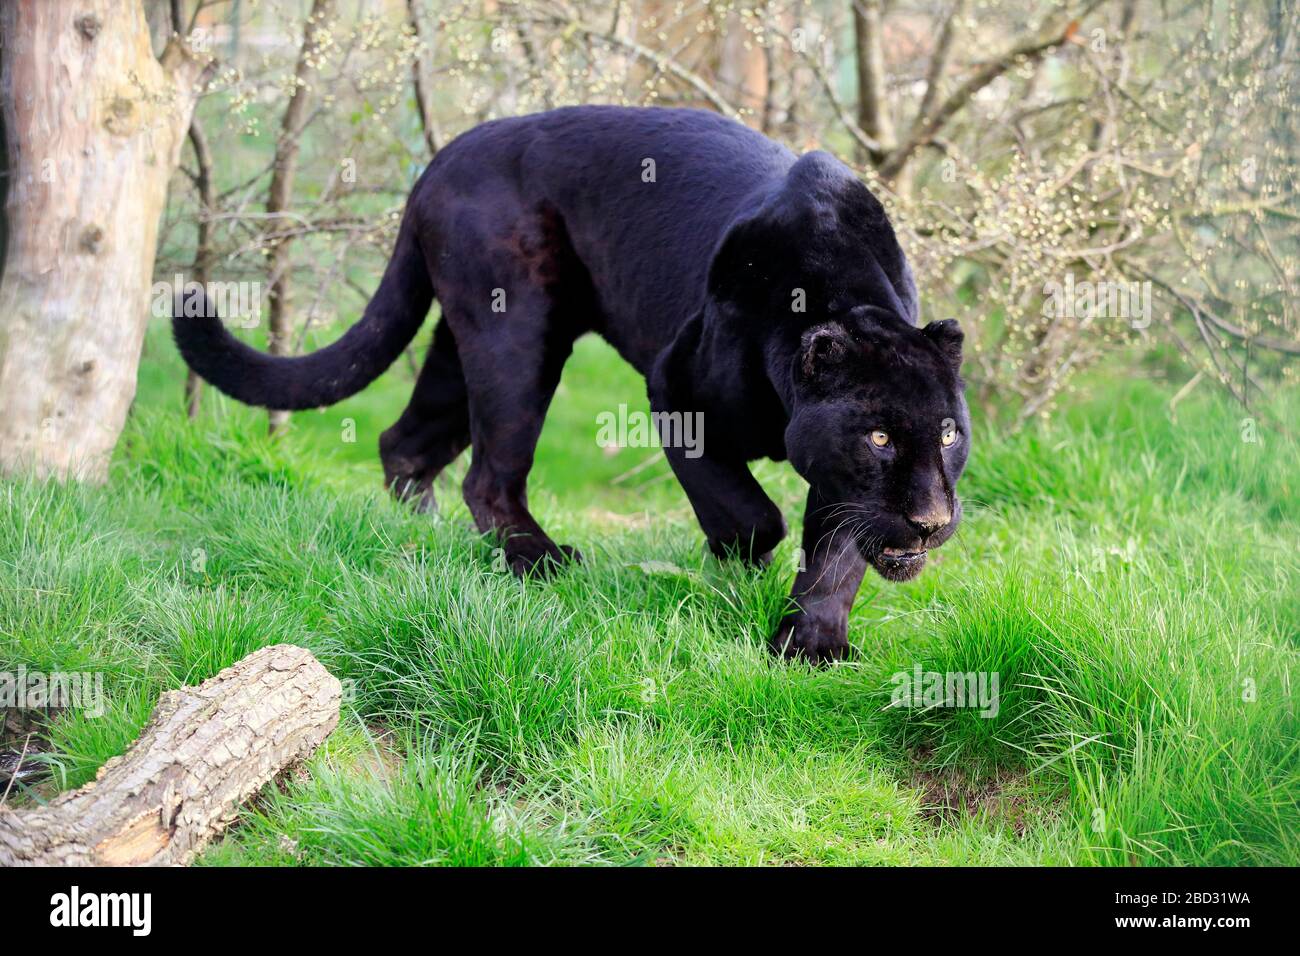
[[1047, 38], [659, 60], [939, 62]]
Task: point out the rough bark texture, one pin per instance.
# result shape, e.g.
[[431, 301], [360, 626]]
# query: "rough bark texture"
[[94, 126], [206, 750]]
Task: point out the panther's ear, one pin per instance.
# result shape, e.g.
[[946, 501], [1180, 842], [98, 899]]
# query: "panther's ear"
[[947, 334], [823, 350]]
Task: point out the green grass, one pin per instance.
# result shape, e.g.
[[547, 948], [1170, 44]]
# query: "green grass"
[[1133, 581]]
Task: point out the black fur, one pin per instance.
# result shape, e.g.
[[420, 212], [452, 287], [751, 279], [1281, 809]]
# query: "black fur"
[[767, 292]]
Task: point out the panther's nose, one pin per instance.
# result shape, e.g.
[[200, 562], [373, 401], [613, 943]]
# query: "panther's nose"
[[930, 523]]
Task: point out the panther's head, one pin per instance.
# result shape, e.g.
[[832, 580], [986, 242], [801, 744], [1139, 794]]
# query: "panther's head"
[[880, 430], [878, 423]]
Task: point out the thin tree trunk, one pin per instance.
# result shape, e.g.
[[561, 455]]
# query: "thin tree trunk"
[[208, 202], [94, 126], [206, 750], [423, 102], [940, 60], [873, 101], [203, 249], [280, 195]]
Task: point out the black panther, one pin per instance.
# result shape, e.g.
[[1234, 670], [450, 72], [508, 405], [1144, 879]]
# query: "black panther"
[[766, 291]]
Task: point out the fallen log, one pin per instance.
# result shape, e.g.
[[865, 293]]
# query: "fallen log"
[[205, 751]]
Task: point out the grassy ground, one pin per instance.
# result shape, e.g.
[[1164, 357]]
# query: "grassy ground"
[[1132, 579]]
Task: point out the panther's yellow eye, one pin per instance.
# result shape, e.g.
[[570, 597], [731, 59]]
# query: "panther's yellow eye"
[[879, 439], [949, 436]]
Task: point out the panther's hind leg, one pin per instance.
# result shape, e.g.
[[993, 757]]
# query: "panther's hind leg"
[[433, 429], [512, 362]]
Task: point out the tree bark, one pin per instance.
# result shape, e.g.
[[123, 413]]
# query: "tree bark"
[[206, 750], [939, 61], [280, 194], [94, 126], [873, 99], [423, 99]]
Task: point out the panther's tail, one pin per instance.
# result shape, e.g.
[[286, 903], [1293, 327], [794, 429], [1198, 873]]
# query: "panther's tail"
[[324, 377]]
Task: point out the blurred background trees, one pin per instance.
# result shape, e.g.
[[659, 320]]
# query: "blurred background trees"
[[1023, 147]]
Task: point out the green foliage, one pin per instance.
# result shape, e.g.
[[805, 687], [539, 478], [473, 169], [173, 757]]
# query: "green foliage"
[[1131, 579]]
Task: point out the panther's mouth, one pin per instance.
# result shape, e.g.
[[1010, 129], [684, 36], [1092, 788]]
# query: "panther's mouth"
[[899, 564]]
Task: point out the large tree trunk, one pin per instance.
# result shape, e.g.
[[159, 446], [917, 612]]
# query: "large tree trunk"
[[206, 750], [94, 126]]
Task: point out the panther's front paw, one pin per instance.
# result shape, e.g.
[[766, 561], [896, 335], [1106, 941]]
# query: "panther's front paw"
[[803, 637]]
